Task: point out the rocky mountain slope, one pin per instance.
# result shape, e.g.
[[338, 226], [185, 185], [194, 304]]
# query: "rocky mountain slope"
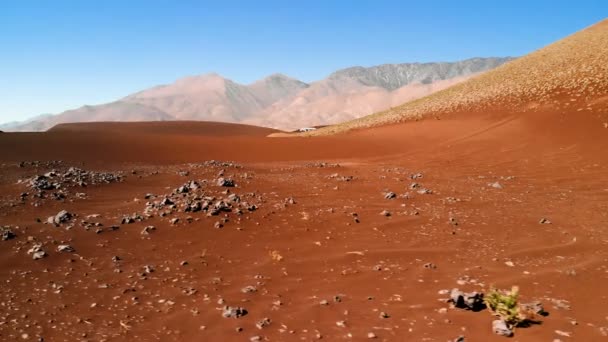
[[279, 101], [569, 76]]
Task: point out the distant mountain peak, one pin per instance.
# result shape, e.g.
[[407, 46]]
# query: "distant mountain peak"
[[279, 100]]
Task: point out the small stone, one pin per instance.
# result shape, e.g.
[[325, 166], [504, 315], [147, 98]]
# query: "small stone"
[[385, 213], [62, 217], [495, 185], [249, 289], [341, 324], [225, 182], [7, 234], [37, 252], [233, 312], [499, 327], [255, 338], [390, 195], [384, 315], [468, 301], [65, 249], [264, 322], [563, 333], [544, 221], [148, 230], [371, 335]]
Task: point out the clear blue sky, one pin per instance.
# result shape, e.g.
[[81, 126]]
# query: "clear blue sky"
[[57, 55]]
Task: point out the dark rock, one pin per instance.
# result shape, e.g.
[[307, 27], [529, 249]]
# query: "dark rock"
[[225, 182], [233, 312], [7, 234], [468, 301], [390, 195], [62, 217]]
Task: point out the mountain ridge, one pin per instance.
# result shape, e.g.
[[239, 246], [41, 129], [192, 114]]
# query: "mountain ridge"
[[278, 100]]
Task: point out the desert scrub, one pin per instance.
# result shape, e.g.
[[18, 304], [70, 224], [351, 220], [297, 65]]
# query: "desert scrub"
[[505, 305]]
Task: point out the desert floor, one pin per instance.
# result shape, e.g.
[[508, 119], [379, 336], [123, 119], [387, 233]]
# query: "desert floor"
[[303, 243]]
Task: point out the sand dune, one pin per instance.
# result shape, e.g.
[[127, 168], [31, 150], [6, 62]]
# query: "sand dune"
[[564, 77]]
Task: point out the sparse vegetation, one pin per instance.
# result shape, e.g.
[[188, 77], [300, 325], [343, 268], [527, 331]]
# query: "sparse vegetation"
[[505, 305]]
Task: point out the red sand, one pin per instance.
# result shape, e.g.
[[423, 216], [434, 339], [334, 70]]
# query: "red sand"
[[549, 165]]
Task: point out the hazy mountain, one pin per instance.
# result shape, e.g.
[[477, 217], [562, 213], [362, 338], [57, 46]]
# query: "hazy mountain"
[[279, 101], [35, 123]]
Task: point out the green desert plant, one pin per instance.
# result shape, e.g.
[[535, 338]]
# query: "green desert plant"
[[504, 304]]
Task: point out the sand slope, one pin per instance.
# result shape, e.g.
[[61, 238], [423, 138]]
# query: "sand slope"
[[567, 76]]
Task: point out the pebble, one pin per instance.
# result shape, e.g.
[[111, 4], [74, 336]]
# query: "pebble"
[[499, 327]]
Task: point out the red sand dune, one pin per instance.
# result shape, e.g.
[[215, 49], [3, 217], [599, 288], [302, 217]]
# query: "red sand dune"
[[296, 254]]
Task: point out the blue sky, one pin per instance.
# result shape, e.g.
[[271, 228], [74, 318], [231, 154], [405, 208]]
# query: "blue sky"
[[58, 55]]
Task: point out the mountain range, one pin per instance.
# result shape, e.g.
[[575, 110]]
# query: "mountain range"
[[277, 101]]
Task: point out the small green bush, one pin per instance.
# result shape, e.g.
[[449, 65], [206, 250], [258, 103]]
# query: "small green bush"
[[505, 305]]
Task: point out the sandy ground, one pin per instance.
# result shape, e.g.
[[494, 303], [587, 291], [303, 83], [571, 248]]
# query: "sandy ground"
[[492, 178]]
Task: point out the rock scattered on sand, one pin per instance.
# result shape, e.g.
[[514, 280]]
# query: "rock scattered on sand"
[[65, 249], [495, 185], [534, 308], [499, 327], [37, 252], [225, 182], [385, 213], [62, 181], [249, 289], [544, 221], [264, 322], [468, 301], [147, 230], [233, 312], [390, 195], [61, 217], [7, 234], [416, 175]]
